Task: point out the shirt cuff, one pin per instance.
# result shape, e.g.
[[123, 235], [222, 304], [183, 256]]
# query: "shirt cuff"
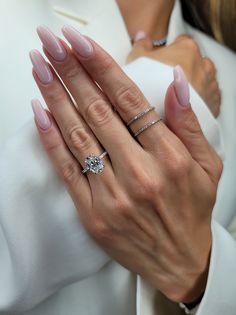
[[219, 297]]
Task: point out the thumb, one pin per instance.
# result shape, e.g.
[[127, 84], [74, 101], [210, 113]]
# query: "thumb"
[[142, 44], [183, 122]]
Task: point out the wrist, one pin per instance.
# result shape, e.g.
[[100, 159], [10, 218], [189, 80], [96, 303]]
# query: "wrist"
[[190, 282], [198, 287]]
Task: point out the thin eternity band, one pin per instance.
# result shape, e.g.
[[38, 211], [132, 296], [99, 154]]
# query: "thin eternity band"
[[140, 115], [148, 125]]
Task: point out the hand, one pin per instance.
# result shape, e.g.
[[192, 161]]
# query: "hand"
[[150, 209], [201, 72]]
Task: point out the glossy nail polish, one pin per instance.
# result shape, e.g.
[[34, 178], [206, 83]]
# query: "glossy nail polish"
[[139, 36], [80, 43], [51, 43], [40, 115], [181, 87], [41, 67]]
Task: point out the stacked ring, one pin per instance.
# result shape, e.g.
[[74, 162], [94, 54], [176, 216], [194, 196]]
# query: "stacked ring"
[[95, 165], [148, 125], [140, 115]]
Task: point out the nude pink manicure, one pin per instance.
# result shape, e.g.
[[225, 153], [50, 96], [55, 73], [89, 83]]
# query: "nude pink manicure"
[[139, 36], [80, 43], [181, 86], [41, 67], [51, 43], [40, 115]]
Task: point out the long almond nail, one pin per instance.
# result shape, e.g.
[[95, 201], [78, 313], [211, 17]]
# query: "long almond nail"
[[51, 43], [181, 87], [41, 67], [40, 115], [80, 43]]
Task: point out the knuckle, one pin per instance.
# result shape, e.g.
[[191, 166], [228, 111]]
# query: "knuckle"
[[183, 37], [191, 125], [72, 71], [215, 87], [55, 95], [106, 66], [52, 143], [71, 74], [100, 230], [129, 99], [98, 113], [144, 186], [69, 172], [178, 163], [191, 44], [79, 138], [210, 66], [123, 208], [150, 188], [180, 166]]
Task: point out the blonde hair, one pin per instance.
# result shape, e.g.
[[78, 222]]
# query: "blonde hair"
[[215, 17]]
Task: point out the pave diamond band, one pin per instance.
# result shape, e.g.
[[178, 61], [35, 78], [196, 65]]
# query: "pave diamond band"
[[148, 125], [159, 42], [140, 115], [94, 163]]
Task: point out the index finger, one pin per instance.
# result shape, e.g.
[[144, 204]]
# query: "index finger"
[[118, 87]]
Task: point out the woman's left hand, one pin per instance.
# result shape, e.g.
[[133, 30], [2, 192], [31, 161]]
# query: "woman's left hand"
[[150, 208]]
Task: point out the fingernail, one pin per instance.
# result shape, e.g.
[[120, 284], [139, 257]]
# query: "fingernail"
[[181, 86], [139, 36], [41, 67], [80, 43], [51, 43], [40, 115]]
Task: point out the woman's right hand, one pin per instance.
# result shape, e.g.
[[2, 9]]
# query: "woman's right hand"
[[201, 72]]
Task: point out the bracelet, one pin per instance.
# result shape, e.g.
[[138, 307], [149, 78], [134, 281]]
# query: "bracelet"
[[188, 307]]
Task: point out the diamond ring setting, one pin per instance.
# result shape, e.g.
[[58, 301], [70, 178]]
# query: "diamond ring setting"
[[94, 163]]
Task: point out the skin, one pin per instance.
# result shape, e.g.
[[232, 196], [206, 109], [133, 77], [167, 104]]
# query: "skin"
[[150, 209], [151, 16], [153, 19]]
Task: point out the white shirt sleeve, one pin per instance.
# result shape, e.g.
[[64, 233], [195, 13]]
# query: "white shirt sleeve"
[[220, 293], [43, 246]]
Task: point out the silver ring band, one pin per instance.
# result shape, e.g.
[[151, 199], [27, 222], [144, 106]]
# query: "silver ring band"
[[148, 125], [140, 115], [94, 163], [159, 42]]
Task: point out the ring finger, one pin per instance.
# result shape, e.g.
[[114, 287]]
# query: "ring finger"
[[77, 135]]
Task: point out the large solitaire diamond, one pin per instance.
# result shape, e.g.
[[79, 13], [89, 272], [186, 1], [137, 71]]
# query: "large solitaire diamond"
[[94, 164]]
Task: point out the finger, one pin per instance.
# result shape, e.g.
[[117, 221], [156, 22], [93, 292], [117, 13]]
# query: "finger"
[[184, 123], [122, 92], [63, 161], [210, 68], [78, 136], [92, 103], [142, 44], [183, 37]]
